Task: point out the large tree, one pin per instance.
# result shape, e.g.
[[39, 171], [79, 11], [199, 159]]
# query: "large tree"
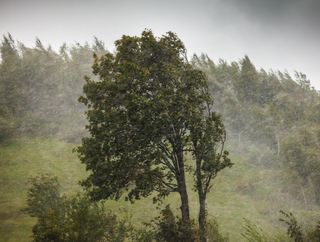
[[143, 113]]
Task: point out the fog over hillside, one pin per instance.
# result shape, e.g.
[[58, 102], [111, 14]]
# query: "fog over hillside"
[[276, 34], [205, 113]]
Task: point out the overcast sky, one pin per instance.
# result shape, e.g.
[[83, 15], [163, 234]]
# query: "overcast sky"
[[276, 34]]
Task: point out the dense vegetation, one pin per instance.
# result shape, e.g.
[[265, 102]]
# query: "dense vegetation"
[[40, 89], [149, 109], [272, 120]]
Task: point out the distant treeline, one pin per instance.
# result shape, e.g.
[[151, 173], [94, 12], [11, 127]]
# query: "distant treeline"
[[270, 117], [39, 88]]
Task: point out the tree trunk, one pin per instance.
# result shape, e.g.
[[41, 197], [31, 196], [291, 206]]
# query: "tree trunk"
[[184, 202], [202, 217], [185, 213]]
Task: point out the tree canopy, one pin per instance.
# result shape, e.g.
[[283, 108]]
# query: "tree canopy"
[[147, 110]]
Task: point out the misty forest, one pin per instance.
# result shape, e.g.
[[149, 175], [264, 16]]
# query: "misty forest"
[[146, 143]]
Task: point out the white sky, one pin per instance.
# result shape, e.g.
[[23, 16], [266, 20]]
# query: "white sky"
[[276, 34]]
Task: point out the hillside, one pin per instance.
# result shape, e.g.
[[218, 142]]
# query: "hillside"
[[246, 191], [271, 118]]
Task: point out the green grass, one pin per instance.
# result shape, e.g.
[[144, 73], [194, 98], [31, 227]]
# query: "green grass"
[[21, 159], [244, 191]]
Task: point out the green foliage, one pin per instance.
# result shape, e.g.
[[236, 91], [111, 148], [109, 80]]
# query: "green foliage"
[[253, 233], [301, 153], [69, 219], [269, 117], [80, 220], [246, 190], [39, 88], [10, 95], [148, 109], [294, 230], [254, 104], [169, 228], [7, 123], [138, 114], [248, 81], [208, 138], [43, 196], [87, 221]]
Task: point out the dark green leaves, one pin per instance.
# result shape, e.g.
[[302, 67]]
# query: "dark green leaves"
[[140, 115]]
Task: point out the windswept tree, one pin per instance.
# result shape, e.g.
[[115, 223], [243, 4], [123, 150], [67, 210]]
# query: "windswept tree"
[[147, 110], [208, 138]]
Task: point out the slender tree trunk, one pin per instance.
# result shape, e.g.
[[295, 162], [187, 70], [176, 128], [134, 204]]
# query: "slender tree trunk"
[[202, 217]]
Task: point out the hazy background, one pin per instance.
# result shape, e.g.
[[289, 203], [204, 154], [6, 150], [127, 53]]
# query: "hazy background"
[[277, 34]]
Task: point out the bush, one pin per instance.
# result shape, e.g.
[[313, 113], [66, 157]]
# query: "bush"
[[43, 196], [169, 228], [75, 219], [294, 229]]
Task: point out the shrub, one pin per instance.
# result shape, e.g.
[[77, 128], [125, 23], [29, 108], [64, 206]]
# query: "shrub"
[[75, 219], [169, 228], [43, 196], [294, 229], [252, 232]]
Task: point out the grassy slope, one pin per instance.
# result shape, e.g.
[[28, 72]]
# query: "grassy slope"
[[245, 190]]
